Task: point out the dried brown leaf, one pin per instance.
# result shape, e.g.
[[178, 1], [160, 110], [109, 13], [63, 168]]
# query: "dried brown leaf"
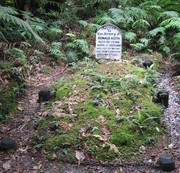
[[101, 138], [114, 148], [102, 119], [80, 157], [65, 125]]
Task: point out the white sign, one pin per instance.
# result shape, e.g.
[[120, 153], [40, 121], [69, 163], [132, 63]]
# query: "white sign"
[[109, 42]]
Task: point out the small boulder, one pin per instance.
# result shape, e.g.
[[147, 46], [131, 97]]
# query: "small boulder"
[[147, 63], [163, 98], [166, 162], [7, 144], [46, 94]]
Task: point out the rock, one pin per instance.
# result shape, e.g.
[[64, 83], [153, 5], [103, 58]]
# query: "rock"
[[163, 98], [166, 162], [46, 94], [147, 63], [8, 143]]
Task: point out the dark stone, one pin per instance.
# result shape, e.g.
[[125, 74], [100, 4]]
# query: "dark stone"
[[8, 143], [163, 98], [166, 162], [45, 95], [147, 63]]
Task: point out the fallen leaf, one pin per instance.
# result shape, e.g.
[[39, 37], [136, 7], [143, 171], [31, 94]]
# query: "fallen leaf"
[[6, 166], [65, 125], [170, 146], [101, 138], [20, 108], [114, 148], [102, 119], [80, 157]]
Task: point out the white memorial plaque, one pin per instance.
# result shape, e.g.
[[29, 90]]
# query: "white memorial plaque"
[[109, 42]]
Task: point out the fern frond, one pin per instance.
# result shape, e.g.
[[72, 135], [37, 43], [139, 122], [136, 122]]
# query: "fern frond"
[[173, 22], [150, 6], [104, 18], [17, 21], [56, 30], [130, 36], [145, 41], [83, 45], [137, 46], [136, 12], [169, 5], [141, 23], [165, 49], [56, 45], [119, 15], [116, 13], [55, 50], [71, 45], [8, 10], [162, 40], [155, 31], [176, 39], [2, 37], [169, 14], [91, 26], [72, 55]]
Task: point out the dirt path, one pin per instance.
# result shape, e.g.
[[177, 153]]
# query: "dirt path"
[[28, 160]]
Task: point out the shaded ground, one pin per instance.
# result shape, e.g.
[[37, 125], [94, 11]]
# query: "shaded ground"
[[28, 160]]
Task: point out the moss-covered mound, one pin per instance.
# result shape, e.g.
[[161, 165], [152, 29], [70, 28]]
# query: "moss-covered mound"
[[104, 111]]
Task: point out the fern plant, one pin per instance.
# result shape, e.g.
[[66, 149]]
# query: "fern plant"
[[55, 50], [7, 14], [130, 36], [15, 53]]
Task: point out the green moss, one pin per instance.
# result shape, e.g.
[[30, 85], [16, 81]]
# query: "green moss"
[[64, 91], [97, 149], [122, 136], [150, 112], [87, 110], [8, 102], [104, 111]]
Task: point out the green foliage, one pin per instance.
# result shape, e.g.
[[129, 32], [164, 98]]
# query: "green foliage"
[[16, 53], [7, 14], [176, 39], [130, 36], [141, 24], [76, 47], [143, 43], [168, 14], [83, 45], [104, 18], [159, 30], [55, 50], [153, 21], [173, 22]]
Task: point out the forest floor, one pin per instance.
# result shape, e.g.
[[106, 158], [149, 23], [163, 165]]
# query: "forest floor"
[[26, 159]]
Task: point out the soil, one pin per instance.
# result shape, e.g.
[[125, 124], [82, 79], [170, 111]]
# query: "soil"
[[26, 159]]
